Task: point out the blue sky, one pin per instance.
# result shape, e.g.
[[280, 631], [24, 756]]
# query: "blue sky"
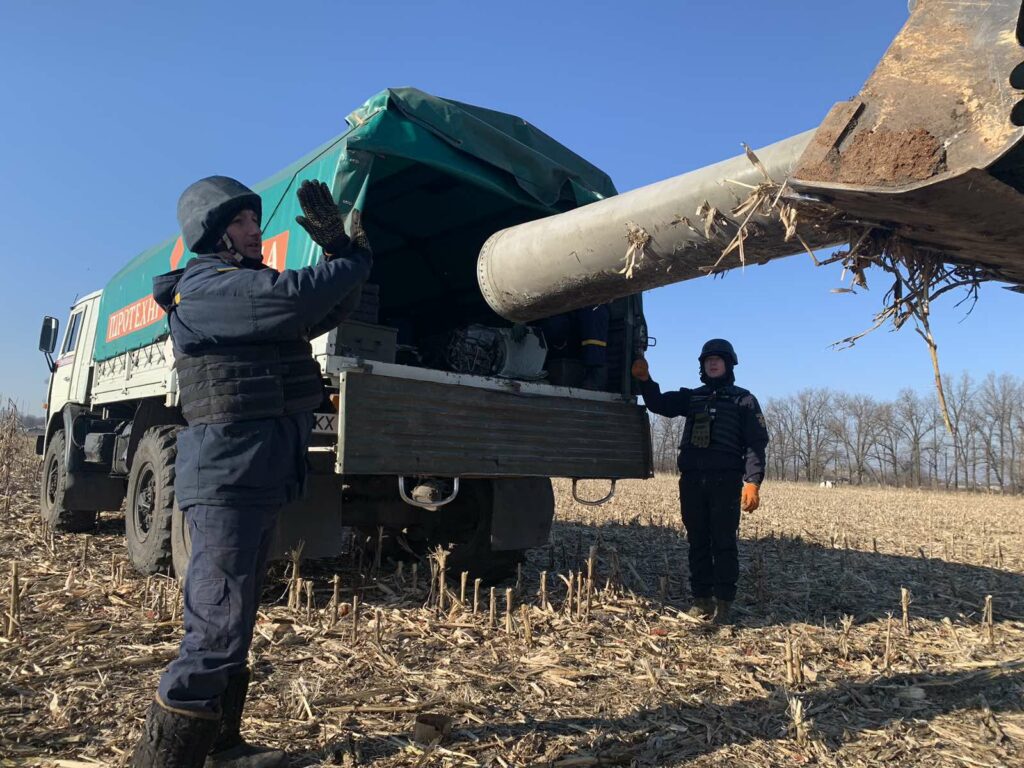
[[112, 108]]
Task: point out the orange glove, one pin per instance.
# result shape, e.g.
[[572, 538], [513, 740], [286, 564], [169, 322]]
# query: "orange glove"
[[640, 370], [750, 499]]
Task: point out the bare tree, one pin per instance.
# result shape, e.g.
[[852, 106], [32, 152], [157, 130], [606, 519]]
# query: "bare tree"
[[961, 418], [910, 415], [782, 458], [666, 434], [856, 426], [815, 433], [813, 412], [998, 407]]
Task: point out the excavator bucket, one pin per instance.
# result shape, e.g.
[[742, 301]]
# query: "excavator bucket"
[[928, 157], [930, 149]]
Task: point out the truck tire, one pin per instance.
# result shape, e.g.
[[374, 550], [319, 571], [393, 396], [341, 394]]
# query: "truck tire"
[[150, 500], [181, 544], [464, 528], [51, 492]]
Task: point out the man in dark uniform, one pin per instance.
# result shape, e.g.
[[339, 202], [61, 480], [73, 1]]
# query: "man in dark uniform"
[[721, 466], [248, 386]]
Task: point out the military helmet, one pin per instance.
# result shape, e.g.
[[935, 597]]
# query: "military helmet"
[[719, 347], [207, 207]]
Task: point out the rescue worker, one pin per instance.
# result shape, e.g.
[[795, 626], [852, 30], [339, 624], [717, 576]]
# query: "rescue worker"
[[721, 466], [248, 385]]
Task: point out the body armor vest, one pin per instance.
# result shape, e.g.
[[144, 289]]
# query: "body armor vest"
[[245, 382], [714, 421]]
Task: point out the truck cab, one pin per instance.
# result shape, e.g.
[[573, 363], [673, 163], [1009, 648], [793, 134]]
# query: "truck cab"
[[75, 481]]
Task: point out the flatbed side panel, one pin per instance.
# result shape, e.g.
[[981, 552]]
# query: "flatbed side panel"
[[134, 374], [394, 426]]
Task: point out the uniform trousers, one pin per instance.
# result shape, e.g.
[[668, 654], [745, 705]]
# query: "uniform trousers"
[[222, 593], [710, 503]]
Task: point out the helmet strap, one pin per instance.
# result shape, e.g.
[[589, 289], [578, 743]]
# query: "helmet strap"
[[229, 248]]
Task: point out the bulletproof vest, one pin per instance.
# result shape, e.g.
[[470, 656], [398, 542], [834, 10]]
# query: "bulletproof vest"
[[221, 383], [240, 383], [714, 420]]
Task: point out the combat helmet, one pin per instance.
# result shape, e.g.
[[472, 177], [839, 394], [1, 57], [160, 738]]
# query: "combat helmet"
[[719, 347], [207, 207]]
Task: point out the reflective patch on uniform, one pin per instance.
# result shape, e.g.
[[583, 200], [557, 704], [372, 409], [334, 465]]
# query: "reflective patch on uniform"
[[593, 343], [226, 269], [177, 298]]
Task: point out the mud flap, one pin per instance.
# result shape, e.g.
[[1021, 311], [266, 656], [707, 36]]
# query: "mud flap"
[[523, 511]]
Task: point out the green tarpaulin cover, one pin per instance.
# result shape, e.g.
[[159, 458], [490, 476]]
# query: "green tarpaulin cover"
[[504, 169]]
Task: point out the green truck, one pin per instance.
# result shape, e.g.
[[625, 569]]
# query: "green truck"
[[426, 381]]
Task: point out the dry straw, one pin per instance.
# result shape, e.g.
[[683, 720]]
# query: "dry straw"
[[602, 666]]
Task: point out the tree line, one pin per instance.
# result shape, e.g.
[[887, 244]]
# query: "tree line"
[[823, 435]]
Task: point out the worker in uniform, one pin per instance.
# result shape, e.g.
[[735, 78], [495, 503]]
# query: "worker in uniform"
[[721, 466], [248, 386], [582, 335]]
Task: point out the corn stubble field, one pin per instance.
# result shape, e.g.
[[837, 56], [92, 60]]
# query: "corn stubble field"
[[826, 668]]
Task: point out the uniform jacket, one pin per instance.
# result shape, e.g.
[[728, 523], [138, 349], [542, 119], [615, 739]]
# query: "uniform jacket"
[[741, 438], [217, 301]]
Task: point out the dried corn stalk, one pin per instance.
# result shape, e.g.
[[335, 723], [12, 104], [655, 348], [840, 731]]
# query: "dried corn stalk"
[[637, 238]]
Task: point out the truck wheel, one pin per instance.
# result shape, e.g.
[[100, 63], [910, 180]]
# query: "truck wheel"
[[181, 543], [51, 492], [465, 528], [150, 500]]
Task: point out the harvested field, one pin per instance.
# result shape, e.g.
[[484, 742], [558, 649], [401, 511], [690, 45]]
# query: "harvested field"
[[825, 669]]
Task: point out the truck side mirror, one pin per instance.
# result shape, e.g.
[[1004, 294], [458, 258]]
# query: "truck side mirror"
[[48, 335], [48, 340]]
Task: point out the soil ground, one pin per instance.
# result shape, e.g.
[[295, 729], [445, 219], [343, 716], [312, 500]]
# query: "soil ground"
[[821, 668]]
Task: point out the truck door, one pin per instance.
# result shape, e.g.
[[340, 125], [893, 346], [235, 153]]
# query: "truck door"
[[68, 380], [81, 370]]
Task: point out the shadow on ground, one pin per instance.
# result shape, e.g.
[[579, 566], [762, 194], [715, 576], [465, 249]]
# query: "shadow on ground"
[[787, 579], [834, 716]]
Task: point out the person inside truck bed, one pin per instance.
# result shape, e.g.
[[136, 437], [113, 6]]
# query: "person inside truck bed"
[[721, 466], [248, 386]]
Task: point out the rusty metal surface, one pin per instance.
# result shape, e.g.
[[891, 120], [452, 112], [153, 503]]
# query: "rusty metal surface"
[[928, 148], [395, 426], [939, 100], [972, 219]]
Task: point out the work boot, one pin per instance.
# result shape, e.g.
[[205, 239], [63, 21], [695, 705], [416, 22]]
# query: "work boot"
[[702, 608], [723, 612], [174, 739], [229, 749]]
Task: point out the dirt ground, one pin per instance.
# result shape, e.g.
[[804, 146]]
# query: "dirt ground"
[[822, 669]]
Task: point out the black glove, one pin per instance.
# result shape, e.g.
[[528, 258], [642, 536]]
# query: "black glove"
[[323, 221], [359, 238]]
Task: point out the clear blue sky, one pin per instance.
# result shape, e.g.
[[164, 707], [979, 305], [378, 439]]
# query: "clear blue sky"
[[112, 108]]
